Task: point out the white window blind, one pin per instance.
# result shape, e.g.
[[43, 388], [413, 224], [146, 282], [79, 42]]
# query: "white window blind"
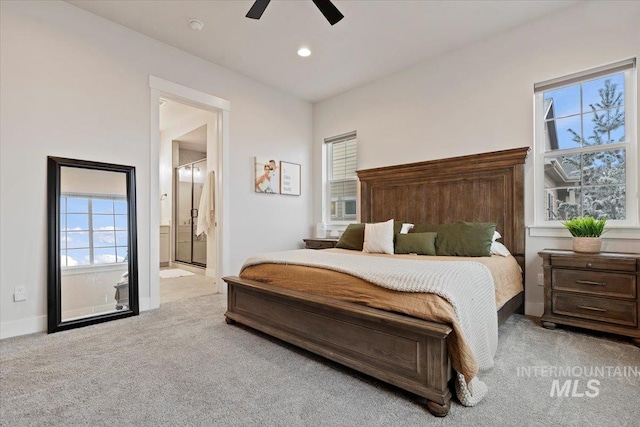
[[342, 181]]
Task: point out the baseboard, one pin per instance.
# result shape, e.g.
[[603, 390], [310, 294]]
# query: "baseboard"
[[26, 326], [534, 309], [33, 325]]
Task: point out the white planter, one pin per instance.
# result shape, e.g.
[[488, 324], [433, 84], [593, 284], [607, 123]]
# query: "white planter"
[[587, 244]]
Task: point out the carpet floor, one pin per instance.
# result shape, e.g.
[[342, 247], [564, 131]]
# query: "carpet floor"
[[184, 287], [182, 365]]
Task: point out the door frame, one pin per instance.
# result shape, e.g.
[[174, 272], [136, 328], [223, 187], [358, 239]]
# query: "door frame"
[[204, 101]]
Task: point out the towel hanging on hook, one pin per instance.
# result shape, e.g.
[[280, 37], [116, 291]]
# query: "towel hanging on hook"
[[207, 206]]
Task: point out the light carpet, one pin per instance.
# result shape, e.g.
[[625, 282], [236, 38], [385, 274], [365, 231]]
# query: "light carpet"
[[180, 288], [181, 365], [174, 272]]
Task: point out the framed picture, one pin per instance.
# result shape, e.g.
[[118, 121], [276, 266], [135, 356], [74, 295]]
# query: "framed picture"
[[290, 178], [267, 176]]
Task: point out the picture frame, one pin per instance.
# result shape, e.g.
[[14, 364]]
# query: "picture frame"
[[266, 177], [290, 181]]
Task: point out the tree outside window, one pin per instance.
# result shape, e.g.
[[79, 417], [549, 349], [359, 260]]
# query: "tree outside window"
[[585, 156]]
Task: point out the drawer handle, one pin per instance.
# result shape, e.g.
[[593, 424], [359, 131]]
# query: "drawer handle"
[[588, 282], [589, 264], [586, 307]]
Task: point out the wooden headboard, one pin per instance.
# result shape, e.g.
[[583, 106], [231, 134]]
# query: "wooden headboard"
[[486, 187]]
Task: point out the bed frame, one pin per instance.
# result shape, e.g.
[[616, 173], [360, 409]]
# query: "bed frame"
[[401, 350]]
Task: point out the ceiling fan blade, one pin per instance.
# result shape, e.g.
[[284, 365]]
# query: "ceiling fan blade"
[[329, 11], [257, 9]]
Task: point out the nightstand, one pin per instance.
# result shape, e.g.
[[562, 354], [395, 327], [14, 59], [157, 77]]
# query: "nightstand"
[[320, 243], [594, 291]]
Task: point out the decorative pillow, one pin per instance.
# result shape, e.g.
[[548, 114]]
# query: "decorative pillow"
[[352, 238], [498, 248], [416, 243], [461, 238], [378, 238], [496, 236], [406, 227]]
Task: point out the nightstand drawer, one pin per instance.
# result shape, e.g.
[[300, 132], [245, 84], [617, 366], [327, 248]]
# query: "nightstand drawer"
[[320, 243], [595, 283], [593, 308], [610, 263]]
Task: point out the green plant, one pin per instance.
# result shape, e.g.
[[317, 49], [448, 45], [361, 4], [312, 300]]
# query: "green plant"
[[585, 226]]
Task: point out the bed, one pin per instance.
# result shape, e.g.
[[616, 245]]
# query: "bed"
[[408, 352]]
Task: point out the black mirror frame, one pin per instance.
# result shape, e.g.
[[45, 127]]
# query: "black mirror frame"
[[54, 297]]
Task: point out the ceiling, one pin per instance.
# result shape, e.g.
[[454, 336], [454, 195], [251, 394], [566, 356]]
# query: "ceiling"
[[196, 140], [375, 39], [175, 114]]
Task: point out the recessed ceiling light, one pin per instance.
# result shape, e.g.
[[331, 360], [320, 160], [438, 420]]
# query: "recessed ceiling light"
[[195, 24], [304, 52]]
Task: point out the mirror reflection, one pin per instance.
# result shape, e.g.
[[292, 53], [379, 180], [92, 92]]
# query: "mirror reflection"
[[94, 247]]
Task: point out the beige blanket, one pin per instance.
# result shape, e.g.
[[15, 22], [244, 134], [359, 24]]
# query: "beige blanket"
[[317, 281]]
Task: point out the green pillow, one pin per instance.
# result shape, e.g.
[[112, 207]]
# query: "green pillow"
[[416, 243], [461, 238], [352, 238]]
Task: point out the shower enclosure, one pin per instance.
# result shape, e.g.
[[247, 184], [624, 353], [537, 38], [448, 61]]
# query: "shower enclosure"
[[189, 180]]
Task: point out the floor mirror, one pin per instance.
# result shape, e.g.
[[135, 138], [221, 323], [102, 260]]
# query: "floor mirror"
[[92, 253]]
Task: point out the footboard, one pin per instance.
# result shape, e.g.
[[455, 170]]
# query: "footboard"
[[400, 350]]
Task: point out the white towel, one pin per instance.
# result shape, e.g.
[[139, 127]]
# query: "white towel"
[[207, 207]]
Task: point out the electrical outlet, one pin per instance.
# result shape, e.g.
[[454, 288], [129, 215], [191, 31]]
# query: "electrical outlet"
[[19, 293], [540, 279]]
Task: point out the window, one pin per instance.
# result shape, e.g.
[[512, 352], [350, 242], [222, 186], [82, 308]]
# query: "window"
[[93, 229], [341, 193], [586, 146]]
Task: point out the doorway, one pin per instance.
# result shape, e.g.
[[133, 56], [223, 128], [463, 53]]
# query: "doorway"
[[187, 146], [191, 248], [217, 162]]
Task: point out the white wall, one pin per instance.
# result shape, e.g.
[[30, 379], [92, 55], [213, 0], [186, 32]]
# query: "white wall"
[[88, 291], [91, 181], [75, 85], [480, 99]]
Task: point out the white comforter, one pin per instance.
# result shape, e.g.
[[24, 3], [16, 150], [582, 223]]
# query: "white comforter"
[[467, 285]]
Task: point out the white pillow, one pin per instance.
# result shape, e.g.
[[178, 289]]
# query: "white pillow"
[[406, 227], [378, 238], [498, 248], [496, 236]]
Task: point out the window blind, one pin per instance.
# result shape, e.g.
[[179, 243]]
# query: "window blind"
[[342, 187], [578, 77]]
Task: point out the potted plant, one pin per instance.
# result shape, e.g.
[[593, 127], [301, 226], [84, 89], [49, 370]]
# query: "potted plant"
[[586, 232]]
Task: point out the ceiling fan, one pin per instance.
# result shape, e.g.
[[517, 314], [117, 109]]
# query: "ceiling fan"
[[327, 8]]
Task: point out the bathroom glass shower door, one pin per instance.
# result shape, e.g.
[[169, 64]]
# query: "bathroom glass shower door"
[[190, 248]]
